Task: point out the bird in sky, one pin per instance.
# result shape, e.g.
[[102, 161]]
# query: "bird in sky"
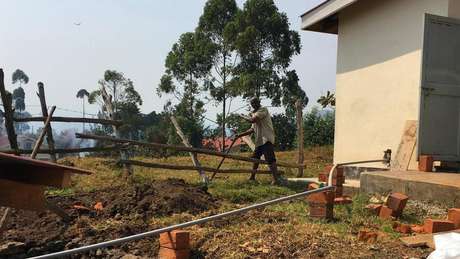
[[77, 23]]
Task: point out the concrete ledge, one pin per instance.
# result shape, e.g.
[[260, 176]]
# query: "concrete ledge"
[[442, 187]]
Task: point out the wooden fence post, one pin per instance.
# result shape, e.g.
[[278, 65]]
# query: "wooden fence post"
[[49, 130], [299, 116], [195, 161], [7, 101], [39, 141]]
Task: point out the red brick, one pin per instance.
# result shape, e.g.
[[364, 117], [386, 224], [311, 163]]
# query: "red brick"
[[417, 229], [343, 200], [425, 163], [454, 216], [435, 226], [402, 228], [385, 212], [320, 197], [374, 208], [168, 253], [397, 202], [368, 236], [176, 239], [321, 210], [323, 177]]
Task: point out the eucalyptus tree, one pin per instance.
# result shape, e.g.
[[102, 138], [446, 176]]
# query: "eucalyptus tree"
[[266, 45], [187, 65], [81, 94], [20, 77], [214, 25]]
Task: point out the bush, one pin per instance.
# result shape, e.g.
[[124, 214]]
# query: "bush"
[[319, 127]]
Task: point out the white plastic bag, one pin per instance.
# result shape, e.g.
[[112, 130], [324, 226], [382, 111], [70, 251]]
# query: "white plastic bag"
[[447, 246]]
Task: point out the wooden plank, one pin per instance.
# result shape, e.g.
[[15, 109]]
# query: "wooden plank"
[[421, 240], [184, 167], [299, 118], [249, 142], [7, 101], [41, 176], [22, 196], [195, 161], [183, 148], [40, 139], [49, 130], [406, 147]]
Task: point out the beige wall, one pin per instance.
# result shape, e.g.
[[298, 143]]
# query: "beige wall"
[[454, 9], [378, 74]]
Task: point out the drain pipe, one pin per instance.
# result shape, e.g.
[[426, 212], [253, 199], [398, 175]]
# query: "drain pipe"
[[386, 160]]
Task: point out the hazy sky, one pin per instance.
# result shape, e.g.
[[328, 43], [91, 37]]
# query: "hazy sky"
[[134, 37]]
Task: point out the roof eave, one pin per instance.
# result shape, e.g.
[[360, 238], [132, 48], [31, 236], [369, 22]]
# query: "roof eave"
[[323, 18]]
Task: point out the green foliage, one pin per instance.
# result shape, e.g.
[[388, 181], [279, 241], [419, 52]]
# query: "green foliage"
[[82, 93], [266, 45], [285, 132], [19, 97], [124, 99], [319, 127], [20, 77], [327, 100]]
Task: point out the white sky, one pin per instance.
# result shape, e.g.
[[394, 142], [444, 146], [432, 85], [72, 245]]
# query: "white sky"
[[132, 37]]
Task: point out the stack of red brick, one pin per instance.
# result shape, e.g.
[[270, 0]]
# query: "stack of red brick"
[[440, 225], [321, 204], [174, 245], [338, 179], [393, 207]]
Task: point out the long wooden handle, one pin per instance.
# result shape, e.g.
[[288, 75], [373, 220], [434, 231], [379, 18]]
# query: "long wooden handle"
[[223, 158]]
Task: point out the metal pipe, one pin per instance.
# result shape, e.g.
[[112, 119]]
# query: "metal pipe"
[[329, 180], [181, 225]]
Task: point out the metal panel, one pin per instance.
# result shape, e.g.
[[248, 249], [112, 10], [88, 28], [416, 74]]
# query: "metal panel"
[[440, 94]]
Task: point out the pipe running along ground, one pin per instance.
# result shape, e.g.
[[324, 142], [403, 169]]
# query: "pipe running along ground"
[[178, 226]]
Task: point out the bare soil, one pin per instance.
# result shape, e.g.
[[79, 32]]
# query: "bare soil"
[[127, 210]]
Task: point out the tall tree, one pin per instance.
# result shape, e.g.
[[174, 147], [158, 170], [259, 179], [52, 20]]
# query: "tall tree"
[[82, 93], [266, 46], [213, 24], [118, 100], [20, 77], [187, 64]]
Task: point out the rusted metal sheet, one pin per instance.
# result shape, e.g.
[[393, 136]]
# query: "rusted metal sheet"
[[22, 196], [31, 171]]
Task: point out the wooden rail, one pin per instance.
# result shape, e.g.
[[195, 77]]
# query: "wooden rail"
[[64, 150], [189, 168], [183, 148], [71, 119]]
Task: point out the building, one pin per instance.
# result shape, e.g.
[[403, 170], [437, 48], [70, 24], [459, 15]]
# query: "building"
[[216, 144], [397, 60]]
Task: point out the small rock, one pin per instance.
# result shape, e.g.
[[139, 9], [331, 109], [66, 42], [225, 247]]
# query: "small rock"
[[12, 248], [117, 216]]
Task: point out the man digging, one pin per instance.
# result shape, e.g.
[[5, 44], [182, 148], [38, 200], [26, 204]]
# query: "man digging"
[[264, 136]]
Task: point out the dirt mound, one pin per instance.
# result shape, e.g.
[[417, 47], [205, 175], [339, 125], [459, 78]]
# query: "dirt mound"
[[125, 210]]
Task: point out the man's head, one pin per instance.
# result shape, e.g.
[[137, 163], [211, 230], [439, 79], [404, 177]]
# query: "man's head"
[[255, 103]]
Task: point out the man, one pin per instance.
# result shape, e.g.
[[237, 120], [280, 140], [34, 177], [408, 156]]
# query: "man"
[[264, 135]]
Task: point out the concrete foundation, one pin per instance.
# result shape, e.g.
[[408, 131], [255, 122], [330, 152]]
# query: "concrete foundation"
[[443, 187]]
